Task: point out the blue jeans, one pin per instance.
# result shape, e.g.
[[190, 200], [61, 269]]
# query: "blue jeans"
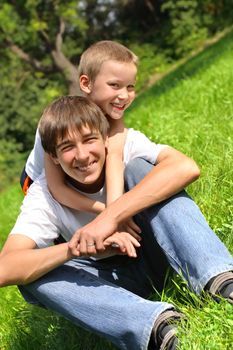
[[191, 247], [108, 297]]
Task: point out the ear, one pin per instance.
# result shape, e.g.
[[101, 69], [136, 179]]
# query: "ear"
[[85, 84], [54, 160]]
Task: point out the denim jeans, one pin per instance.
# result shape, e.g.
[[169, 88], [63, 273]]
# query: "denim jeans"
[[191, 247], [108, 296]]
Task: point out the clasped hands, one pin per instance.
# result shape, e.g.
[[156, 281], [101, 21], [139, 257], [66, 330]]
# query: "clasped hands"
[[104, 234]]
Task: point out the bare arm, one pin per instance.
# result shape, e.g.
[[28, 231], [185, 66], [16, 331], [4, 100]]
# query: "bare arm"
[[66, 195], [173, 172], [114, 173], [22, 263]]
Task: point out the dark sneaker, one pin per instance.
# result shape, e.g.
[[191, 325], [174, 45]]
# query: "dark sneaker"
[[163, 336], [221, 285]]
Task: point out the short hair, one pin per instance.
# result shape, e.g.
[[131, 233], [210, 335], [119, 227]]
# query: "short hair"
[[67, 114], [94, 56]]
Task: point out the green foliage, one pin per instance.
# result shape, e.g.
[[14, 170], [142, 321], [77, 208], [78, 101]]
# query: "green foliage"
[[23, 97], [189, 23], [185, 28], [151, 61], [11, 163]]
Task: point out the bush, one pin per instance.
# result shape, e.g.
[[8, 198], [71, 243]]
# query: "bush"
[[185, 28], [11, 163], [151, 61]]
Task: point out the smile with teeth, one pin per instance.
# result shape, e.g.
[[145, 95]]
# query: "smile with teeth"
[[116, 105], [85, 168]]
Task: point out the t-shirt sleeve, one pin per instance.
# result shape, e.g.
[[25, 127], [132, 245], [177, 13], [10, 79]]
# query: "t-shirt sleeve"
[[139, 145], [35, 161], [37, 220]]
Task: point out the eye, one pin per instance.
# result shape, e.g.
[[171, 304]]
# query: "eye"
[[114, 85], [66, 148], [131, 87], [91, 139]]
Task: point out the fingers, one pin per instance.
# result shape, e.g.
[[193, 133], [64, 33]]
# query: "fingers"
[[126, 247], [87, 246], [133, 225], [83, 243], [124, 242], [91, 239], [132, 228], [132, 233], [74, 244]]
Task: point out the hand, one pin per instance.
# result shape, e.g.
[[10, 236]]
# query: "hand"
[[89, 239], [124, 242], [132, 228]]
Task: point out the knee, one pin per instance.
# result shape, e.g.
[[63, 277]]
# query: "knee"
[[135, 171]]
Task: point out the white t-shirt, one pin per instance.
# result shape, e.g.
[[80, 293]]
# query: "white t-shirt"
[[35, 162], [43, 219]]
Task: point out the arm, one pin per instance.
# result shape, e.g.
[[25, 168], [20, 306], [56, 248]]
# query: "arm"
[[114, 161], [173, 172], [65, 194], [114, 171], [22, 263]]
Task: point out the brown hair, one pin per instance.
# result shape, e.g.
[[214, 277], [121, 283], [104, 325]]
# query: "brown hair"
[[101, 51], [69, 113]]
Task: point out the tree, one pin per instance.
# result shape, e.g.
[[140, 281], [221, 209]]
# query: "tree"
[[45, 34]]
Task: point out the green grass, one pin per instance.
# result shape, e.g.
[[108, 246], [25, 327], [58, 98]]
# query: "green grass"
[[192, 110]]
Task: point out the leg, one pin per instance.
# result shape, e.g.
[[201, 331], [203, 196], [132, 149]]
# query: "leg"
[[182, 232], [76, 291]]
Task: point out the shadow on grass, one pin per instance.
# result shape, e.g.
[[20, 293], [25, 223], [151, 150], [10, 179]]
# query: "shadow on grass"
[[27, 327], [36, 328]]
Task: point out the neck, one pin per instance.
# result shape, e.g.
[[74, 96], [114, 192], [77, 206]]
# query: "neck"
[[88, 188]]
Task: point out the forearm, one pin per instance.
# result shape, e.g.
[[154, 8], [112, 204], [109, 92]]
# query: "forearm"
[[26, 265], [114, 161], [166, 179], [75, 200], [114, 177]]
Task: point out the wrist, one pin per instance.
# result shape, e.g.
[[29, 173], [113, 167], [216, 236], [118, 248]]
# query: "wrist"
[[98, 207], [114, 212], [69, 255]]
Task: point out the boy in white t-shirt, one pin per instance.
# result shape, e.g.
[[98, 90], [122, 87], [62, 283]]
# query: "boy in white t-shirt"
[[87, 279], [74, 133]]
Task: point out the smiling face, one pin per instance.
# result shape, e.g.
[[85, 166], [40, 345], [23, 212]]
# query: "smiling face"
[[113, 89], [82, 157]]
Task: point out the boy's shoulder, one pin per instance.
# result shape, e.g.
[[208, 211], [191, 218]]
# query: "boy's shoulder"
[[135, 134], [38, 193]]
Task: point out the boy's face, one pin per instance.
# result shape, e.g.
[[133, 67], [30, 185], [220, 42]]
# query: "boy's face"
[[114, 87], [82, 156]]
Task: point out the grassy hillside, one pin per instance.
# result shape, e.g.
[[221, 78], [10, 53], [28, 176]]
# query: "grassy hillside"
[[192, 110]]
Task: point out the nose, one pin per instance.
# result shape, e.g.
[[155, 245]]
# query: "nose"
[[81, 153], [123, 93]]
